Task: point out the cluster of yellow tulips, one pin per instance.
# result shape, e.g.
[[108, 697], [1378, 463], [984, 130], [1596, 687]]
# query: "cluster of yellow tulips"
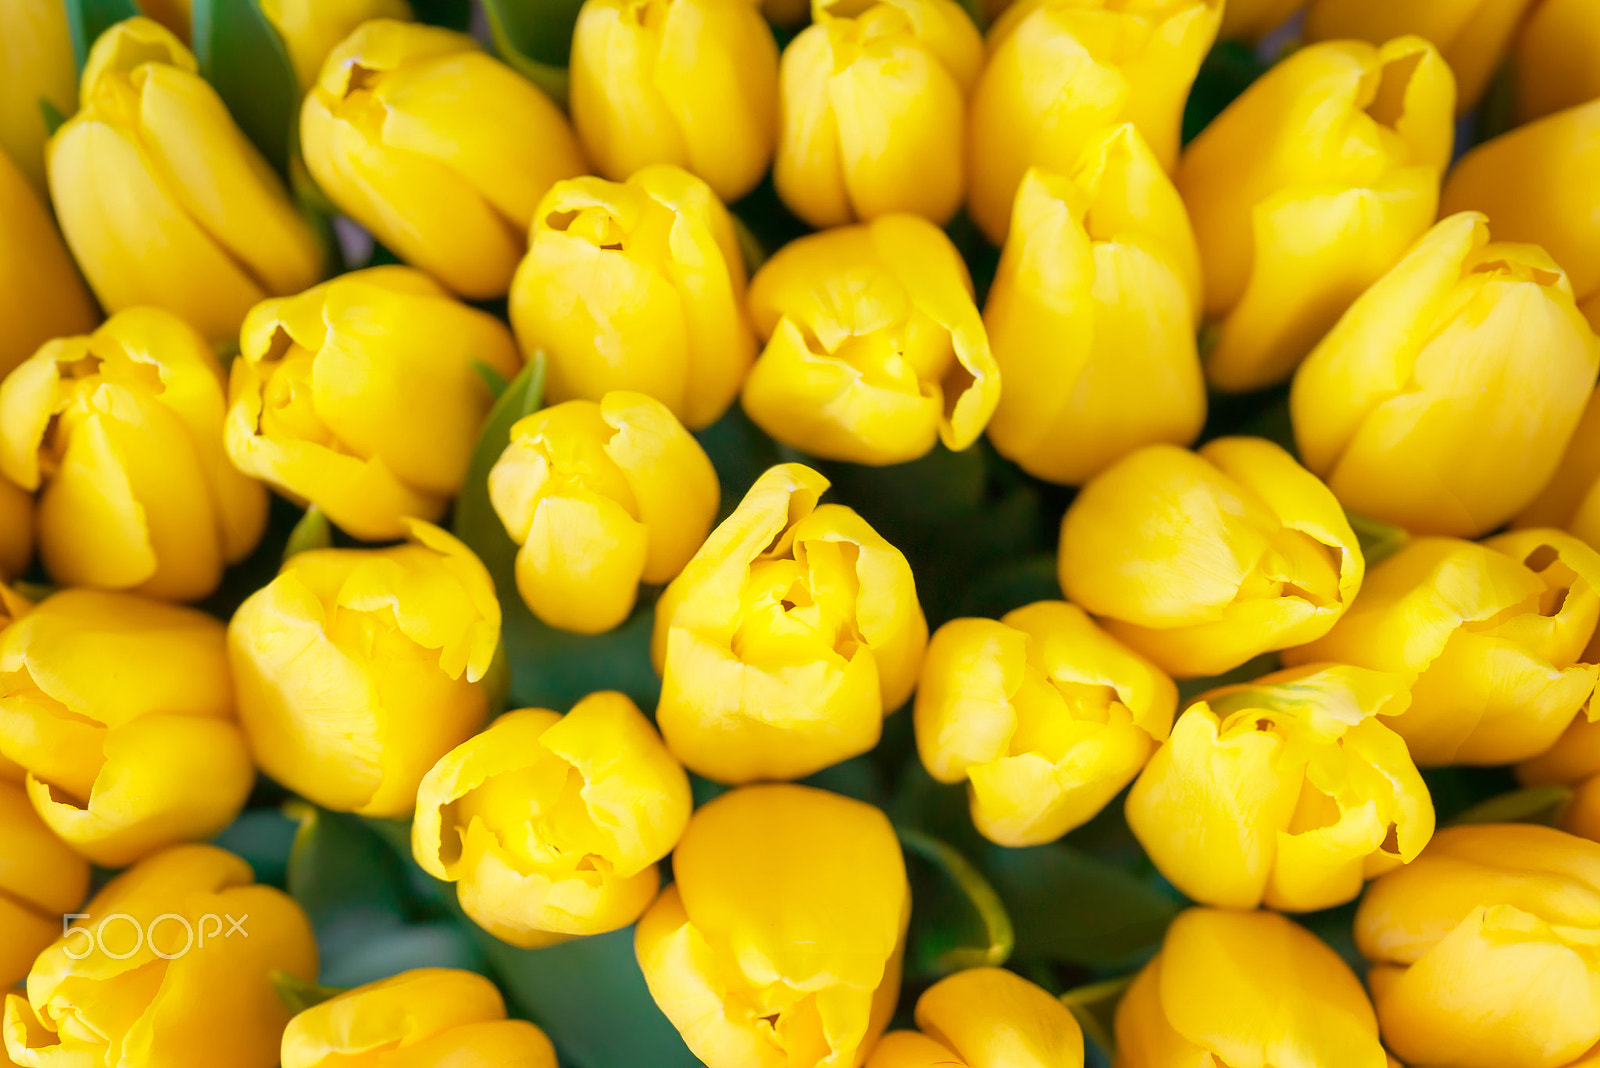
[[1312, 389]]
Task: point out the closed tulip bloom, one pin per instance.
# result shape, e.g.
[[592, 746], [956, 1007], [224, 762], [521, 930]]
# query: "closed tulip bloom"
[[154, 976], [1287, 791], [120, 434], [601, 497], [1536, 184], [551, 826], [636, 285], [35, 64], [161, 198], [122, 712], [41, 879], [874, 348], [1493, 638], [1554, 59], [1445, 397], [1573, 761], [1045, 715], [984, 1018], [1062, 72], [1203, 560], [1246, 988], [311, 28], [1569, 500], [1308, 188], [357, 669], [872, 116], [1092, 315], [693, 83], [425, 1017], [41, 295], [1252, 20], [1483, 949], [779, 944], [16, 529], [438, 148], [786, 640], [360, 396]]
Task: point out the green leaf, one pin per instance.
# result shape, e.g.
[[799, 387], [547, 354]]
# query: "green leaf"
[[957, 919], [264, 837], [1377, 538], [475, 522], [1532, 804], [1095, 1008], [493, 379], [53, 119], [338, 867], [299, 995], [245, 60], [88, 19], [535, 38], [312, 532]]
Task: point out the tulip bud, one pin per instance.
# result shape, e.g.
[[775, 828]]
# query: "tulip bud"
[[360, 396], [636, 285], [1245, 988], [1308, 188], [1573, 761], [439, 149], [1444, 398], [1483, 949], [874, 348], [41, 295], [1536, 184], [122, 712], [1554, 62], [171, 968], [601, 497], [786, 640], [16, 530], [1252, 20], [1044, 713], [1092, 315], [693, 83], [357, 669], [1063, 72], [551, 826], [311, 28], [1201, 561], [1491, 637], [161, 198], [119, 433], [779, 944], [36, 58], [427, 1016], [984, 1018], [1286, 791], [41, 879], [1570, 500], [872, 111]]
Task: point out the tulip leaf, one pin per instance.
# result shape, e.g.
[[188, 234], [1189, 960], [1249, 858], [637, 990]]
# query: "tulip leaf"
[[1094, 1007], [338, 866], [957, 919], [264, 837], [496, 381], [298, 995], [1532, 804], [312, 532], [553, 668], [1377, 538], [244, 59], [534, 37], [475, 522], [88, 19], [53, 119]]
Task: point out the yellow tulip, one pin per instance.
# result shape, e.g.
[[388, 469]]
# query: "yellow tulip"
[[16, 529], [41, 295], [1492, 639], [429, 1016], [1483, 949], [693, 83], [311, 28], [35, 64], [551, 826], [1536, 184], [1063, 72], [360, 396], [357, 669], [1573, 761], [1444, 398], [41, 879], [874, 348], [1286, 791], [171, 968], [1245, 988], [120, 433], [161, 198], [439, 149], [1252, 20], [600, 497], [1201, 561], [984, 1018], [786, 640], [122, 712], [1043, 713], [1554, 61], [636, 285], [779, 944], [1092, 315], [1569, 500], [872, 111]]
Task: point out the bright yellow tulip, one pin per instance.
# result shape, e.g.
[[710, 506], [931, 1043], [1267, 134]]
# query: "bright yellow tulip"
[[786, 640], [1570, 500], [1573, 761], [779, 944], [311, 28], [16, 529], [551, 826], [357, 669], [1443, 400], [1201, 561], [35, 64], [438, 148], [41, 880], [1554, 60], [360, 396], [1092, 315], [1043, 713], [636, 285], [984, 1018], [41, 295], [600, 497], [874, 348]]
